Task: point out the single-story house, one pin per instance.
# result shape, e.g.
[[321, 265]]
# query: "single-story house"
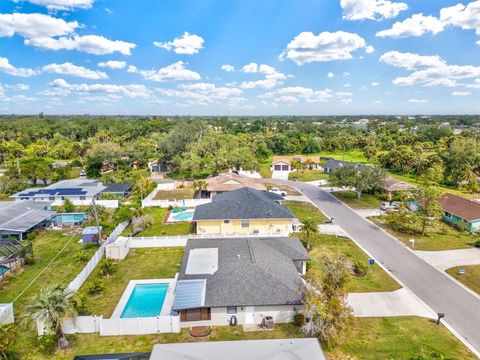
[[17, 219], [461, 212], [229, 182], [123, 190], [244, 211], [333, 164], [80, 191], [391, 185], [284, 163], [159, 166], [240, 280], [276, 349], [91, 234]]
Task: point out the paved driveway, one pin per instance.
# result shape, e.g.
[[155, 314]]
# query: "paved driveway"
[[282, 175], [444, 260], [436, 289]]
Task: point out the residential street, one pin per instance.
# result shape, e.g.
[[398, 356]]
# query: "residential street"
[[462, 309]]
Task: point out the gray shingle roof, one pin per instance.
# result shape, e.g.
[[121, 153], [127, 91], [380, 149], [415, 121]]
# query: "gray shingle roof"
[[333, 164], [20, 216], [244, 203], [251, 271]]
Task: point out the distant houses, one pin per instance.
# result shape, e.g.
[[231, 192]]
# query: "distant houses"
[[240, 281], [80, 191], [229, 182], [244, 211], [332, 164], [461, 212], [287, 163]]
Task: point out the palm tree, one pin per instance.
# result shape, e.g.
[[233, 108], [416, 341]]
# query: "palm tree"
[[50, 307], [199, 185], [309, 226], [143, 186]]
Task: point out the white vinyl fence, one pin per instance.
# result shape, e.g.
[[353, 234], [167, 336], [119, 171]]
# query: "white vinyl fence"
[[87, 270], [175, 202], [109, 204]]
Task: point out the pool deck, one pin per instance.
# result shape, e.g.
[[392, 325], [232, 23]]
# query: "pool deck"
[[167, 303]]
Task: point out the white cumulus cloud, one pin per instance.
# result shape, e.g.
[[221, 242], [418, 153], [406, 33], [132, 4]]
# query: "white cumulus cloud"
[[330, 75], [461, 93], [371, 9], [227, 68], [417, 101], [62, 4], [73, 70], [188, 44], [174, 72], [417, 25], [326, 46], [9, 69], [272, 77], [50, 33], [112, 64]]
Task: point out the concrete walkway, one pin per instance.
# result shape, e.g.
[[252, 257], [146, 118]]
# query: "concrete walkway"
[[444, 260], [297, 198], [381, 304]]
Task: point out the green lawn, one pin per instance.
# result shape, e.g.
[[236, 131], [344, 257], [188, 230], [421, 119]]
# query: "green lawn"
[[160, 228], [367, 201], [471, 278], [303, 209], [185, 193], [62, 270], [354, 155], [154, 263], [399, 338], [290, 191], [444, 237], [264, 167], [376, 278], [307, 175]]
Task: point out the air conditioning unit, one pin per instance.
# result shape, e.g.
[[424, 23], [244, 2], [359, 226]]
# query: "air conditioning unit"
[[268, 323]]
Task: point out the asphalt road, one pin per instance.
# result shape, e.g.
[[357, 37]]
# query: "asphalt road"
[[442, 294]]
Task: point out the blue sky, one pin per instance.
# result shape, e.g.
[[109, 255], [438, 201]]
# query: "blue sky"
[[244, 57]]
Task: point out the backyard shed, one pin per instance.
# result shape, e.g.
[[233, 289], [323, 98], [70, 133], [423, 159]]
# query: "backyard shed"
[[91, 234], [118, 250]]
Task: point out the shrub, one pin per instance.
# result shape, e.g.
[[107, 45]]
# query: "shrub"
[[299, 319], [96, 287], [29, 259], [90, 245], [47, 343], [477, 244], [68, 206], [83, 256], [359, 268], [107, 267]]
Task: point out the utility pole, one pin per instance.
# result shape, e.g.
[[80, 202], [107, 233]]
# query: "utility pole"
[[96, 220]]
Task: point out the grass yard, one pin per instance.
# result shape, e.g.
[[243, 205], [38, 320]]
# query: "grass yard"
[[444, 237], [376, 278], [303, 209], [177, 194], [62, 270], [160, 228], [471, 279], [400, 338], [264, 167], [290, 191], [307, 175], [150, 263], [354, 155], [367, 201]]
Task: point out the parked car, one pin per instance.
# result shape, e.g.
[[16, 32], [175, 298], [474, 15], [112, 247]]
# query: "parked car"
[[83, 173], [278, 191], [389, 205]]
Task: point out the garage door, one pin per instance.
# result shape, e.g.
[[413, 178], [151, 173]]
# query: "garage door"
[[277, 167], [285, 167]]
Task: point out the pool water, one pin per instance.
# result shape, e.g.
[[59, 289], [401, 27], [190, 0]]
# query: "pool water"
[[183, 216], [69, 218], [3, 269], [146, 300]]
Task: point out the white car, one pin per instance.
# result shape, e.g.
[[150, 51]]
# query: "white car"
[[389, 206], [278, 191], [83, 173]]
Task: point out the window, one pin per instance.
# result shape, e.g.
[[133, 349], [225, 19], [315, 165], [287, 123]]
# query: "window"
[[51, 198], [245, 223], [198, 314], [226, 221], [83, 198], [231, 309], [447, 214]]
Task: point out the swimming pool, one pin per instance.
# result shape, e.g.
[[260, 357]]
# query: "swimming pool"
[[3, 269], [146, 300], [181, 216], [69, 218]]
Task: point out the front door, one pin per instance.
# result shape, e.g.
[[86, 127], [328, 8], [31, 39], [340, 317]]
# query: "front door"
[[249, 315]]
